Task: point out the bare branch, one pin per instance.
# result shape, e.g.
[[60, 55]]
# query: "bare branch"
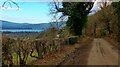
[[10, 3]]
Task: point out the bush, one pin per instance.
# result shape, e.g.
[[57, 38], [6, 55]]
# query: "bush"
[[72, 40]]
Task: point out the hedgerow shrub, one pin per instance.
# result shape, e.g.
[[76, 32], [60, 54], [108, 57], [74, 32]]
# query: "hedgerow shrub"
[[73, 39]]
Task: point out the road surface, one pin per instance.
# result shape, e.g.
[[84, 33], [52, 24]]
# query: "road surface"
[[98, 52]]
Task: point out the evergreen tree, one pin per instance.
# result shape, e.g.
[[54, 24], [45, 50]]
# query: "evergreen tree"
[[116, 5], [77, 13]]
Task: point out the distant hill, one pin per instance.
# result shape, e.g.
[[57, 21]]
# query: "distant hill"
[[14, 25]]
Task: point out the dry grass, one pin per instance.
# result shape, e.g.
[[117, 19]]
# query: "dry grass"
[[112, 41], [56, 57]]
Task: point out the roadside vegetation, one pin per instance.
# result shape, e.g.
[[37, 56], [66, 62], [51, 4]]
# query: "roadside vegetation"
[[79, 27], [105, 23]]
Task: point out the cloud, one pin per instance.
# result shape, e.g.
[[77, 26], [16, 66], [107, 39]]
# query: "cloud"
[[9, 8], [99, 3]]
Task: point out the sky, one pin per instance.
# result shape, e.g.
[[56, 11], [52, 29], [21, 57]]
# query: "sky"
[[29, 12]]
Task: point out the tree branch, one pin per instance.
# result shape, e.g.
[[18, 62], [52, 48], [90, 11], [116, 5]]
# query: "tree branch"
[[10, 1]]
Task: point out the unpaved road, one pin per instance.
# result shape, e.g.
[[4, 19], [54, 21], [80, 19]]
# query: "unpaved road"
[[98, 52]]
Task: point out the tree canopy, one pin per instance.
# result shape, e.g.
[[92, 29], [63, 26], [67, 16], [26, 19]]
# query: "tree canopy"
[[116, 6], [77, 13]]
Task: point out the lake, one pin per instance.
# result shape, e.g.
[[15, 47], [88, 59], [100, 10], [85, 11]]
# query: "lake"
[[24, 30]]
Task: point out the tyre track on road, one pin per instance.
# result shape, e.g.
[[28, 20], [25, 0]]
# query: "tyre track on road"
[[97, 52]]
